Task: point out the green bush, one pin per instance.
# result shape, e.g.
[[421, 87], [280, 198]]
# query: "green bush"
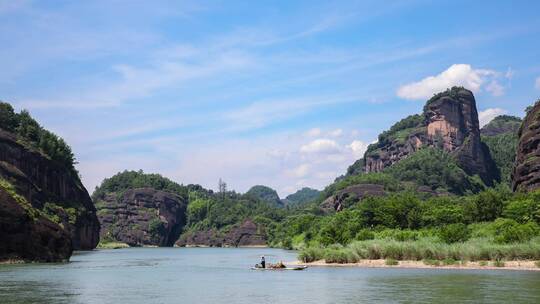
[[523, 210], [510, 231], [391, 262], [365, 234], [454, 233]]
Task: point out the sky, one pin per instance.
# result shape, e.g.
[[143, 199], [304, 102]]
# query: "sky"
[[286, 94]]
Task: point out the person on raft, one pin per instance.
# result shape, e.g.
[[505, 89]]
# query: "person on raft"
[[263, 262]]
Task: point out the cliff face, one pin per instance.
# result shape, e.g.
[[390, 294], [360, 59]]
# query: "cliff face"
[[526, 172], [450, 122], [50, 189], [142, 216], [27, 235], [245, 234]]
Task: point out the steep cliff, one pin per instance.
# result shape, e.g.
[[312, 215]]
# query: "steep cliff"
[[142, 216], [28, 235], [450, 122], [51, 188], [526, 172]]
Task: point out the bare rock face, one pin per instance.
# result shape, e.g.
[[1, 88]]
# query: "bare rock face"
[[450, 122], [245, 234], [142, 217], [26, 235], [51, 189], [358, 192], [526, 172]]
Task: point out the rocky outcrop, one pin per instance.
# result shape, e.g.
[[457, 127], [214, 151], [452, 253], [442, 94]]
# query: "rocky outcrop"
[[526, 172], [142, 217], [450, 122], [51, 189], [355, 193], [242, 235], [27, 235]]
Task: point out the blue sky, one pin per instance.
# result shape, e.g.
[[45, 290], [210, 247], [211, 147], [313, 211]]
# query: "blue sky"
[[281, 93]]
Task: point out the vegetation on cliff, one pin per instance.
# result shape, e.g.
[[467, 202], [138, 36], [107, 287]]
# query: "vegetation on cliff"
[[302, 196], [31, 133], [265, 194], [125, 180], [501, 137]]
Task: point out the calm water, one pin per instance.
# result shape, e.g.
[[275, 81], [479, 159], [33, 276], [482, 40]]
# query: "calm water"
[[208, 275]]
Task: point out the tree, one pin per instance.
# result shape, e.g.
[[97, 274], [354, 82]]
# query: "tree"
[[8, 118], [222, 188]]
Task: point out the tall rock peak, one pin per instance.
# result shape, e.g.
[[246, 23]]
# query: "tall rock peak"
[[450, 122], [526, 172]]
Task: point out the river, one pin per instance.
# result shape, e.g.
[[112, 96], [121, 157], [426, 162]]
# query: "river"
[[223, 275]]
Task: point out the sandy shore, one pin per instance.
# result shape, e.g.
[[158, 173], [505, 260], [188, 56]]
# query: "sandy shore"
[[508, 265]]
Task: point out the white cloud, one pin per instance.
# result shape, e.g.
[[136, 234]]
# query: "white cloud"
[[358, 148], [537, 83], [456, 75], [488, 114], [313, 132], [322, 146], [300, 171], [336, 133]]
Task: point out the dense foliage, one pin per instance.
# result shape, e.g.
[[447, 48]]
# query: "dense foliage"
[[265, 194], [399, 131], [125, 180], [302, 196], [429, 167], [494, 214], [501, 137], [29, 132], [436, 169]]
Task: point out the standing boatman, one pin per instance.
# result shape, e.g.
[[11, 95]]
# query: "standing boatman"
[[263, 262]]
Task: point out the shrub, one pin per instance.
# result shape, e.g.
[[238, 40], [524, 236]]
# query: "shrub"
[[509, 231], [454, 233], [537, 263], [483, 263], [391, 262], [523, 210], [365, 234]]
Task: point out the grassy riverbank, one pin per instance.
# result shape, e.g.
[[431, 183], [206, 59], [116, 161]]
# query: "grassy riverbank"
[[430, 250], [112, 245]]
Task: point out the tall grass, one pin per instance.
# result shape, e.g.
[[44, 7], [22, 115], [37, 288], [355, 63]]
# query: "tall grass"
[[424, 249]]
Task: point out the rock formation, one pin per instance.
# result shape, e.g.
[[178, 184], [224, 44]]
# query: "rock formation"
[[51, 191], [338, 201], [142, 217], [240, 235], [29, 236], [526, 172], [450, 122]]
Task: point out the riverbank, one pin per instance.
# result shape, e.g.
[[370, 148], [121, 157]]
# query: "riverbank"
[[380, 263]]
